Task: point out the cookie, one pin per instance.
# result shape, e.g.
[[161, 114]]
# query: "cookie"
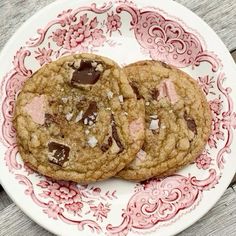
[[177, 120], [78, 119]]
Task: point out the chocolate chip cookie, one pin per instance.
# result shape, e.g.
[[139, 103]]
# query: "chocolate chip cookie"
[[178, 119], [78, 119]]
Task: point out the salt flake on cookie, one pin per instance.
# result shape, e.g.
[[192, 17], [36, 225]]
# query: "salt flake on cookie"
[[92, 141], [154, 125]]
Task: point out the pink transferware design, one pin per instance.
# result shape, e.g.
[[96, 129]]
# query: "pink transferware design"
[[154, 203]]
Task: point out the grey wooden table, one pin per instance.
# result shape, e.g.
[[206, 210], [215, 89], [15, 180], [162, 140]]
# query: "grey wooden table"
[[221, 16]]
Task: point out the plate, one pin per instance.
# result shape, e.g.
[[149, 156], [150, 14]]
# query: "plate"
[[126, 32]]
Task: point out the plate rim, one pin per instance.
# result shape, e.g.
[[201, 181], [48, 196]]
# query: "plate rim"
[[47, 7]]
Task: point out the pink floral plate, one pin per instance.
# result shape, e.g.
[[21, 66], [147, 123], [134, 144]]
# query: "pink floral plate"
[[127, 32]]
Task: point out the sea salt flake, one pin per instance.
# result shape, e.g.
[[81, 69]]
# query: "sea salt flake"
[[91, 122], [94, 64], [69, 116], [110, 95], [92, 141], [153, 117], [79, 116], [99, 68], [65, 100], [86, 121], [121, 99], [154, 125], [77, 64]]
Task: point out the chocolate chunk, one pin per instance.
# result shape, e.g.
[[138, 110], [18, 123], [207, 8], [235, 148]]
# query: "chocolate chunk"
[[81, 104], [116, 136], [190, 123], [85, 74], [165, 65], [136, 91], [107, 145], [90, 112], [155, 132], [155, 94], [49, 119], [51, 102], [143, 147], [58, 153]]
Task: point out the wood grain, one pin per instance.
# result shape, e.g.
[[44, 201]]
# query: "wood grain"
[[15, 13], [220, 220], [4, 199], [220, 15], [14, 222]]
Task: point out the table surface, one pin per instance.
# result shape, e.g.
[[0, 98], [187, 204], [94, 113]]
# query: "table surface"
[[220, 15]]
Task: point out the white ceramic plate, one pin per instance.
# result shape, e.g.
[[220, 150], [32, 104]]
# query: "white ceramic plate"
[[126, 32]]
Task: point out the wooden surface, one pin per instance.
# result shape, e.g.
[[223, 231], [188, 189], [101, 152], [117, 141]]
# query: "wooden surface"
[[221, 219]]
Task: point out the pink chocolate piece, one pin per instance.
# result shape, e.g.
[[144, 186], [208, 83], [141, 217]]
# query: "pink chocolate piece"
[[162, 91], [36, 109], [171, 92], [141, 155], [136, 127], [167, 89]]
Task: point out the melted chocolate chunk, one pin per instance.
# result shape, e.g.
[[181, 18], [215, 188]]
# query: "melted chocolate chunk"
[[190, 123], [155, 132], [136, 91], [143, 147], [116, 136], [58, 153], [85, 74], [49, 119], [105, 147], [81, 104], [165, 65], [155, 94], [89, 113], [51, 102]]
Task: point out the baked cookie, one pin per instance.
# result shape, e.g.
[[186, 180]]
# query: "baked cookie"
[[178, 119], [78, 119]]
